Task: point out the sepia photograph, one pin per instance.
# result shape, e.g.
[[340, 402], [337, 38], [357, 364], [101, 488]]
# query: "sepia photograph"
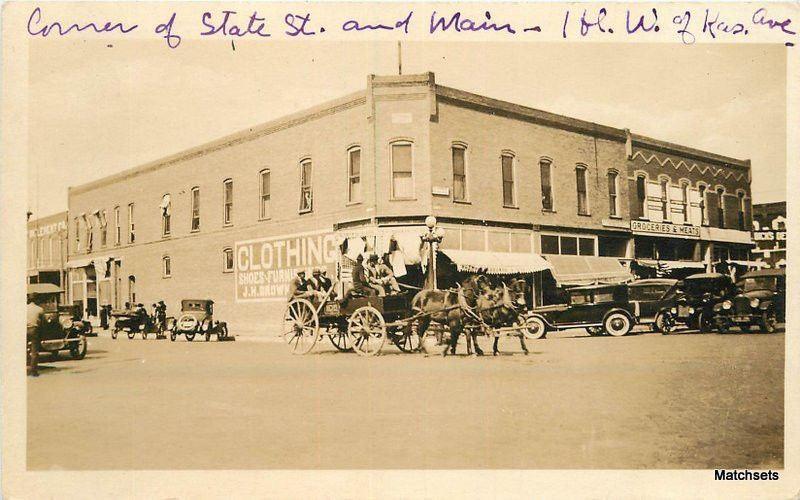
[[404, 255]]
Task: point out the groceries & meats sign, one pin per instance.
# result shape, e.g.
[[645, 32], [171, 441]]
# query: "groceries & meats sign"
[[264, 268]]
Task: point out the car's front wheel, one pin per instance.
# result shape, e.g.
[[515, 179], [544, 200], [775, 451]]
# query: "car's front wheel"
[[617, 324], [78, 349], [534, 328], [665, 323], [768, 321]]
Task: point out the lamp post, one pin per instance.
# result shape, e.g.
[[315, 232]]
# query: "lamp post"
[[433, 238]]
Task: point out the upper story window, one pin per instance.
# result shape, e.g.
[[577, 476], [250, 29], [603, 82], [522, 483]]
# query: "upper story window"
[[166, 267], [458, 154], [131, 225], [740, 194], [227, 260], [77, 224], [227, 202], [641, 194], [402, 159], [685, 202], [117, 227], [195, 200], [264, 194], [103, 229], [89, 233], [166, 216], [582, 190], [721, 207], [613, 195], [354, 175], [665, 199], [508, 174], [703, 191], [546, 173], [306, 187]]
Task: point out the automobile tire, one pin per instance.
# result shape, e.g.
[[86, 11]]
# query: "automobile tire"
[[189, 336], [535, 328], [131, 335], [704, 323], [144, 335], [617, 324], [172, 336], [767, 322], [79, 351], [664, 323], [114, 333], [88, 328], [222, 332]]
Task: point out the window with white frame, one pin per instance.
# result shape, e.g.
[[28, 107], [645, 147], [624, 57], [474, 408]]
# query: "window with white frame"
[[458, 153], [740, 194], [721, 207], [166, 215], [546, 175], [402, 160], [227, 202], [77, 224], [264, 194], [664, 198], [103, 228], [508, 176], [131, 225], [89, 232], [354, 175], [306, 187], [703, 190], [685, 202], [554, 244], [166, 266], [582, 190], [195, 201], [613, 195], [117, 228], [227, 260]]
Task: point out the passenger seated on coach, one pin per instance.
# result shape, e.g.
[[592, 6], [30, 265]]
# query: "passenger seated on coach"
[[384, 275], [301, 288], [321, 283], [361, 283]]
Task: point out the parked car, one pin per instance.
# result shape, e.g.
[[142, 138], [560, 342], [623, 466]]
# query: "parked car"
[[59, 332], [598, 308], [197, 318], [73, 313], [652, 301], [760, 301], [696, 298]]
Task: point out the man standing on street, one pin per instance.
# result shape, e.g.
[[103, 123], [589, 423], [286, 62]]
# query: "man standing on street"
[[35, 318]]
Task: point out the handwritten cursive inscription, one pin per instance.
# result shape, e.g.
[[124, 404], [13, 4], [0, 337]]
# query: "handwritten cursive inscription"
[[36, 27], [460, 23]]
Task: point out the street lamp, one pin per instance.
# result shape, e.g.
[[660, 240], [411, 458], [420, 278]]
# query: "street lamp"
[[433, 237]]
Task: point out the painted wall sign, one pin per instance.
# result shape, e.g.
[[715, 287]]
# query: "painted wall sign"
[[265, 267], [665, 228]]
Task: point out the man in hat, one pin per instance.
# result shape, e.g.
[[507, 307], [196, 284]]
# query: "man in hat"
[[302, 288], [385, 275], [35, 317], [361, 282], [373, 277]]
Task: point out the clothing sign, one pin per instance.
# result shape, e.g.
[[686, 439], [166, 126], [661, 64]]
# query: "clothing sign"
[[264, 268], [665, 228]]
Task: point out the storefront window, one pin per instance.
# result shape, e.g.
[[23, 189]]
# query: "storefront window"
[[569, 245], [549, 244], [586, 246]]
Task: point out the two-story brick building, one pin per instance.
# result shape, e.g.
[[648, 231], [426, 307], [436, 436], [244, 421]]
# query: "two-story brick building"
[[47, 250], [769, 234], [233, 220]]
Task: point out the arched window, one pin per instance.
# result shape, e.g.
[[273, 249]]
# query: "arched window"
[[117, 227], [227, 260], [227, 202], [685, 202], [166, 267], [740, 194], [613, 193], [131, 290], [195, 201], [306, 189], [166, 215], [354, 174], [264, 194], [508, 173], [458, 153], [703, 192], [402, 159], [582, 190], [721, 206], [664, 183], [641, 194], [546, 175]]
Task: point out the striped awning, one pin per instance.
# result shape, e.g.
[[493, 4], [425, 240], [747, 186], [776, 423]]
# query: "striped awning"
[[496, 262], [587, 270]]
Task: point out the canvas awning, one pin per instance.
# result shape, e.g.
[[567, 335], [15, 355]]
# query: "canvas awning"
[[672, 264], [43, 288], [497, 262], [586, 270]]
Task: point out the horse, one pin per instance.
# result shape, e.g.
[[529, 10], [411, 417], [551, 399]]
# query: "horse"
[[450, 307], [500, 308]]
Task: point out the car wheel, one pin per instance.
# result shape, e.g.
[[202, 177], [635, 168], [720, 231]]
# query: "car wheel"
[[594, 331], [745, 328], [114, 333], [767, 323], [131, 334], [704, 322], [617, 324], [222, 332], [172, 336], [79, 349], [535, 328], [664, 323]]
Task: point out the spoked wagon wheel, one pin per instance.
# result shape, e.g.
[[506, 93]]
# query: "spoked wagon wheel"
[[300, 326], [367, 331], [406, 339], [340, 340]]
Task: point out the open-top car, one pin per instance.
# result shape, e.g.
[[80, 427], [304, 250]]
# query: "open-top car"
[[760, 302], [60, 331], [598, 308], [697, 296], [197, 318]]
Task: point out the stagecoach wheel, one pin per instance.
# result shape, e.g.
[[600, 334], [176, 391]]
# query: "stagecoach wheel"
[[594, 331], [340, 340], [367, 330], [767, 323], [222, 332], [78, 349], [407, 340], [300, 326], [617, 324], [535, 328], [131, 334]]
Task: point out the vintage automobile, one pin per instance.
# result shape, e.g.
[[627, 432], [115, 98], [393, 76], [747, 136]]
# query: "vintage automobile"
[[760, 301], [74, 312], [696, 298], [59, 331], [197, 318], [652, 300], [598, 308]]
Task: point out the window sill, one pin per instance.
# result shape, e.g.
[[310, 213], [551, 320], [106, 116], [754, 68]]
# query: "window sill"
[[402, 199], [545, 211], [584, 215], [261, 219], [512, 207], [192, 231], [166, 277], [227, 271], [353, 203], [617, 217], [463, 202], [229, 224], [303, 212], [166, 236]]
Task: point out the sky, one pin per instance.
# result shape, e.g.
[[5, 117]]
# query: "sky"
[[96, 110]]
